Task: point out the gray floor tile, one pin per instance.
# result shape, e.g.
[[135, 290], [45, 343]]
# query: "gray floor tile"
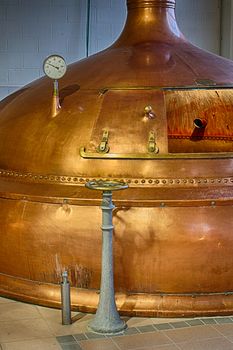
[[144, 329], [180, 324], [223, 320], [64, 339], [131, 330], [163, 326], [195, 322], [208, 321], [80, 336]]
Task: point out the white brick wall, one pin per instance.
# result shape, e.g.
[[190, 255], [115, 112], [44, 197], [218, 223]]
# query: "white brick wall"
[[30, 30], [200, 21], [107, 17]]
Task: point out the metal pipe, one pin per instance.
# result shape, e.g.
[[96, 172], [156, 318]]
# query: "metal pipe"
[[65, 299], [55, 99], [107, 319], [200, 123]]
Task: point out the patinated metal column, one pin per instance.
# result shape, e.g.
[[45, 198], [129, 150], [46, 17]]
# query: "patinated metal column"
[[107, 319], [65, 299]]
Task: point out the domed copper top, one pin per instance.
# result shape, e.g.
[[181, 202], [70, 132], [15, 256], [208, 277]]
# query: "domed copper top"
[[151, 64]]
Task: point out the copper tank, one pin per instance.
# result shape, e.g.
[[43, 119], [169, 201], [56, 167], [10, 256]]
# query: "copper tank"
[[152, 110]]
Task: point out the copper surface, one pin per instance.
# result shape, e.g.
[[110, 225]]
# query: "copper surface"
[[173, 245]]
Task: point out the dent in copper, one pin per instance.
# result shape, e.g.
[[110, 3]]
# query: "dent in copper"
[[173, 246]]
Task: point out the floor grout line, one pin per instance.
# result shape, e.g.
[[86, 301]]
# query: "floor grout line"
[[139, 331], [164, 332], [54, 332], [223, 335], [177, 344], [118, 347], [21, 319], [50, 328]]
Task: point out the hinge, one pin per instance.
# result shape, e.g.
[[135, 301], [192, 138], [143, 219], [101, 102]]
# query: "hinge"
[[152, 148], [103, 146]]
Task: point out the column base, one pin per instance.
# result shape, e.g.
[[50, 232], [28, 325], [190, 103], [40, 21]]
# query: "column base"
[[107, 329]]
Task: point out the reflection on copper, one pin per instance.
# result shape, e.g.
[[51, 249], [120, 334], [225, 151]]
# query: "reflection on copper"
[[152, 57]]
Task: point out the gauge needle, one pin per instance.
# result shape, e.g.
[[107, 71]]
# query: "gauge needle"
[[53, 65]]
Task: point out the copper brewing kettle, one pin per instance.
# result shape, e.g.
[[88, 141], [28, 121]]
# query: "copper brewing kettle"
[[152, 110]]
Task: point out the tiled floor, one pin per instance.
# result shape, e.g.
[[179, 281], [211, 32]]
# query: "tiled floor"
[[29, 327]]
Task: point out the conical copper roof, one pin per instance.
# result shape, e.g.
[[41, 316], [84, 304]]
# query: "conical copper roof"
[[154, 111], [151, 52]]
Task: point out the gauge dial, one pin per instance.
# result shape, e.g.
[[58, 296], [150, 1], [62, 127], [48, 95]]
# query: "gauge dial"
[[54, 66]]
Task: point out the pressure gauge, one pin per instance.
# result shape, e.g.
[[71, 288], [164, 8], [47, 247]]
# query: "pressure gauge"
[[54, 66]]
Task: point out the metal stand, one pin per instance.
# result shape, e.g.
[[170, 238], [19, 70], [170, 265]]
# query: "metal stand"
[[107, 319], [65, 299], [56, 101]]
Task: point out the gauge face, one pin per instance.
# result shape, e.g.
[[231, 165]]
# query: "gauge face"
[[54, 66]]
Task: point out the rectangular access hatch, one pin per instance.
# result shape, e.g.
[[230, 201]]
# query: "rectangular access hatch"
[[129, 122]]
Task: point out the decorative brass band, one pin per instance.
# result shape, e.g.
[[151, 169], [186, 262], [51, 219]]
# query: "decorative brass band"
[[150, 156], [217, 86], [77, 180], [211, 138], [132, 4]]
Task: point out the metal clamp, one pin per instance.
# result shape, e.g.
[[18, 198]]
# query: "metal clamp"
[[103, 146], [152, 148]]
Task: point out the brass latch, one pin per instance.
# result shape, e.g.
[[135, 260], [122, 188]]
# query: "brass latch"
[[152, 148], [149, 113], [103, 146]]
